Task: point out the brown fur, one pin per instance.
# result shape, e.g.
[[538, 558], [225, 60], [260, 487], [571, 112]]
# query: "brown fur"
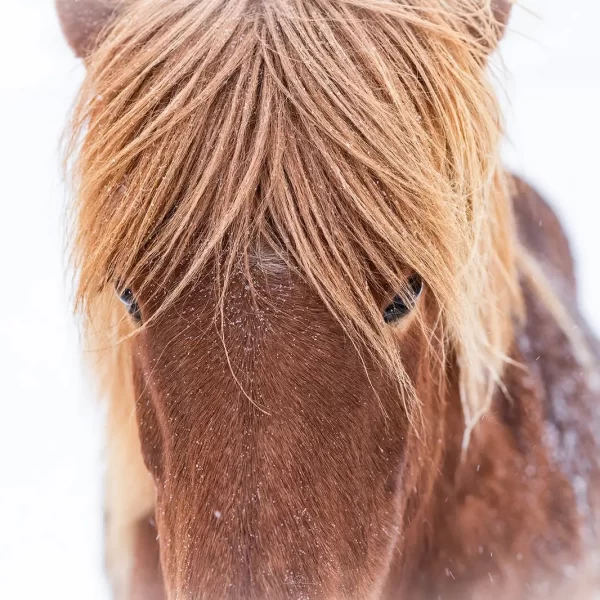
[[265, 187], [448, 532]]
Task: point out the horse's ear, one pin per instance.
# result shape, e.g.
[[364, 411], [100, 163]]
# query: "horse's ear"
[[82, 21], [502, 10]]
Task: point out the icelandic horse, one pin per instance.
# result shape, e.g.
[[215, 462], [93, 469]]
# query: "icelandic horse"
[[340, 343]]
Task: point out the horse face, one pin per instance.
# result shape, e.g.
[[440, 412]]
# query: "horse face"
[[279, 451], [284, 461]]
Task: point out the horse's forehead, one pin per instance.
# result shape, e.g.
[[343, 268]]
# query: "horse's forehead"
[[266, 261]]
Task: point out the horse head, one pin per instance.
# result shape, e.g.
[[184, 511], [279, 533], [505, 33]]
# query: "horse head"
[[292, 218]]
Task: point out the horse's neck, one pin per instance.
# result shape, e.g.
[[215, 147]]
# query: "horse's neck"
[[517, 517], [518, 511]]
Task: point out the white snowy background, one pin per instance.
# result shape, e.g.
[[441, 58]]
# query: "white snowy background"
[[50, 440]]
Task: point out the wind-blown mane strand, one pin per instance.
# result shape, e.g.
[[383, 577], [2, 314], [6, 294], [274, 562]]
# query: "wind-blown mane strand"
[[358, 140]]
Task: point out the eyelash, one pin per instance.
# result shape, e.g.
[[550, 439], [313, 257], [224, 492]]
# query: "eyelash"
[[402, 306], [133, 308]]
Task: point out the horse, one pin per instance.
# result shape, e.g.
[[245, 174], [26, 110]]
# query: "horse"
[[339, 342]]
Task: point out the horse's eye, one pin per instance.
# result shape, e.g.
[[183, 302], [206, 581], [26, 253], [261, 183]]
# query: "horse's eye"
[[133, 308], [402, 305]]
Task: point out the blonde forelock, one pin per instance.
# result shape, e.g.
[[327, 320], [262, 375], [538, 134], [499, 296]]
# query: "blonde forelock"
[[358, 139]]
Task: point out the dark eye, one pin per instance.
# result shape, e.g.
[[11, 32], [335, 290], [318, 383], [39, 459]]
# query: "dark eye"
[[402, 305], [128, 299]]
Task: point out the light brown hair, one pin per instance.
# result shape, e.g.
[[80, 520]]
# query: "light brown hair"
[[358, 140], [265, 177]]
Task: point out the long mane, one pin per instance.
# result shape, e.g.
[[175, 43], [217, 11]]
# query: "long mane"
[[357, 139]]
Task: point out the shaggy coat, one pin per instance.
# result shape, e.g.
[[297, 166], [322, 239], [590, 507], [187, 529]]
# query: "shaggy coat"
[[350, 363]]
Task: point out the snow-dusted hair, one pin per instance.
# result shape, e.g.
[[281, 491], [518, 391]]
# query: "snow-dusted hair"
[[358, 139]]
